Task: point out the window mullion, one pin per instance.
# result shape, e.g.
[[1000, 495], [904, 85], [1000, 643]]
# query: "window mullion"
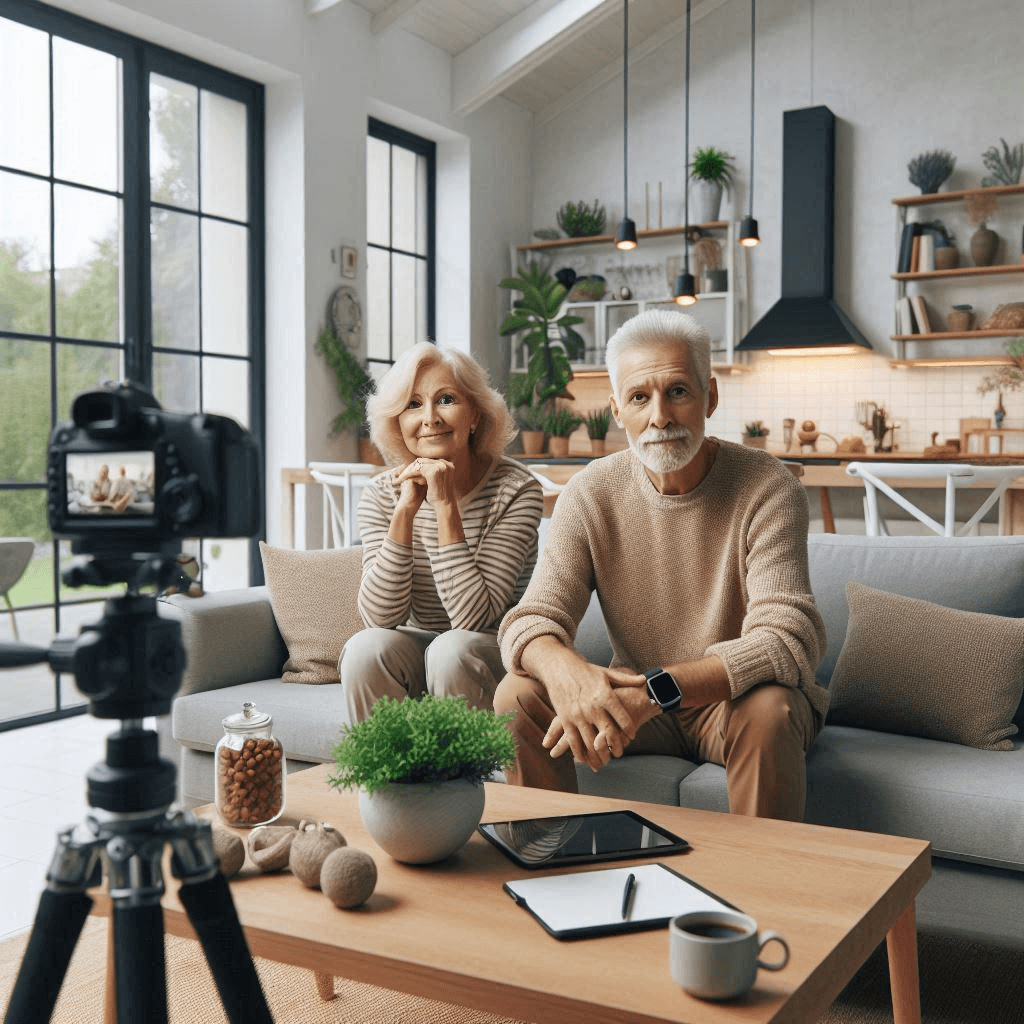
[[135, 269]]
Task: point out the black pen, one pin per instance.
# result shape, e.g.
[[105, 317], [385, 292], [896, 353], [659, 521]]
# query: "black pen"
[[627, 895]]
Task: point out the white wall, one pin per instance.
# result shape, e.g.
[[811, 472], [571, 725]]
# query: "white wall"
[[323, 75], [902, 77]]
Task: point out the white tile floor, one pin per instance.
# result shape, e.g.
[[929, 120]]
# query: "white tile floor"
[[42, 789]]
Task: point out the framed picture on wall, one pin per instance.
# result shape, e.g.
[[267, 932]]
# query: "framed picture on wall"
[[349, 261]]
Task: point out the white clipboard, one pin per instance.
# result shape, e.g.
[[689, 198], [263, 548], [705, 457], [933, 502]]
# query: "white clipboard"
[[584, 904]]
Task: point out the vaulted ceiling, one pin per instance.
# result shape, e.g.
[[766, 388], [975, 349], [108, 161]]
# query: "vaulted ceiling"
[[533, 52]]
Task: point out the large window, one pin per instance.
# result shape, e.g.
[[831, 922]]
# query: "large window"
[[399, 243], [131, 246]]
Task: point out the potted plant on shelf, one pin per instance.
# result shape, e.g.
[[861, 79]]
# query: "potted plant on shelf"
[[1005, 378], [419, 765], [755, 434], [558, 425], [535, 317], [354, 386], [581, 220], [929, 170], [711, 171], [529, 417], [598, 421]]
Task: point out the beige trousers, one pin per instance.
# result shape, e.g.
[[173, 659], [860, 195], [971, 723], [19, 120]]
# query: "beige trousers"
[[761, 739], [407, 662]]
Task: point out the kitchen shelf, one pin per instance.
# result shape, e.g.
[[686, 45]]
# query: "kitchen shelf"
[[678, 229], [952, 335], [902, 364], [925, 275], [952, 197]]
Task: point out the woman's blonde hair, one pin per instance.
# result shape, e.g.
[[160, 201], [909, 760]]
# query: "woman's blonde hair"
[[494, 431]]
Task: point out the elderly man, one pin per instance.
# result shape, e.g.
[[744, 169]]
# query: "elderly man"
[[697, 548]]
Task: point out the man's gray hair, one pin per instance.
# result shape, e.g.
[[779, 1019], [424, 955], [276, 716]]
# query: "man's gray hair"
[[659, 325]]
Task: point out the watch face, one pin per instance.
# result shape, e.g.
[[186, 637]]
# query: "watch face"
[[663, 688]]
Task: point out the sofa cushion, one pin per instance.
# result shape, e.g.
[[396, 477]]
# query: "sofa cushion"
[[307, 717], [913, 667], [968, 803], [313, 595], [977, 574]]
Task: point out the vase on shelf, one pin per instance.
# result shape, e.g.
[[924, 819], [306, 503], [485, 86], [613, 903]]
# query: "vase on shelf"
[[532, 441], [947, 257], [598, 446], [1000, 413], [559, 447], [705, 201], [984, 243], [960, 319]]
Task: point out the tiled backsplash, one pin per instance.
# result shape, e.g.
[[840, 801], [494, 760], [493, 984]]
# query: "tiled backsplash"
[[826, 389]]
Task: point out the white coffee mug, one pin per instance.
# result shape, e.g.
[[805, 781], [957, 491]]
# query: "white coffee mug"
[[714, 954]]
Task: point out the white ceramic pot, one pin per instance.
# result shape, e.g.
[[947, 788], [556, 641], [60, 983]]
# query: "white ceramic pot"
[[705, 201], [420, 823]]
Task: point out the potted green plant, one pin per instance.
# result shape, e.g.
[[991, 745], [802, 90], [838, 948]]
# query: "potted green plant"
[[755, 434], [711, 173], [1004, 168], [580, 220], [929, 170], [419, 765], [354, 387], [535, 317], [1005, 378], [558, 425], [598, 421]]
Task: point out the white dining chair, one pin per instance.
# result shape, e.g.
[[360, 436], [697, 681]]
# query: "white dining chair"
[[955, 475], [340, 483]]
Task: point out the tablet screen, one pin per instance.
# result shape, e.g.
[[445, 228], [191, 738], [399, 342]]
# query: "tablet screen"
[[581, 838]]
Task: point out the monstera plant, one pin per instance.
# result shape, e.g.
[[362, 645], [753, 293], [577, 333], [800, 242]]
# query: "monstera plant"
[[534, 317]]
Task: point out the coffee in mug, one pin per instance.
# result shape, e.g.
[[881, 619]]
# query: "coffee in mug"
[[714, 954]]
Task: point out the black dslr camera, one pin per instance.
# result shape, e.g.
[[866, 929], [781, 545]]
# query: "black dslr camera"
[[126, 475]]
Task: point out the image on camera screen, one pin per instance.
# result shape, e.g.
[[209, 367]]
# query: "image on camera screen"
[[110, 484]]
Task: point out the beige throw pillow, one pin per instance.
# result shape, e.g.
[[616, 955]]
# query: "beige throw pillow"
[[313, 596], [909, 666]]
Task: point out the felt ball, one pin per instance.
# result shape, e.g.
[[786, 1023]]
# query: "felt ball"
[[310, 848], [348, 877], [229, 850]]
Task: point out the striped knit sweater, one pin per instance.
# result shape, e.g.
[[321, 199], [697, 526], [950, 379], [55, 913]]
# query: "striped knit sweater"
[[720, 571], [468, 585]]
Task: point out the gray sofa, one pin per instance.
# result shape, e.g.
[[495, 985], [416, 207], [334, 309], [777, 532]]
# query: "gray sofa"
[[969, 803]]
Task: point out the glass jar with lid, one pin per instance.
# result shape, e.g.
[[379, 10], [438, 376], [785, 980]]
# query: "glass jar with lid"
[[250, 770]]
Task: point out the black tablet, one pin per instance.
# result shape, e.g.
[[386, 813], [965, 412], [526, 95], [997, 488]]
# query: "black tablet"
[[581, 839]]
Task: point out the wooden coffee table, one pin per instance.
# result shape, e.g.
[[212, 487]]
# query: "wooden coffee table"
[[449, 932]]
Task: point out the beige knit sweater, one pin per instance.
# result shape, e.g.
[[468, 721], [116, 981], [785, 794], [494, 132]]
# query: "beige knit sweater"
[[720, 571]]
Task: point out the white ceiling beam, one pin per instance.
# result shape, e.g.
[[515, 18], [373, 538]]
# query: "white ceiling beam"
[[614, 70], [519, 45], [399, 12], [319, 6]]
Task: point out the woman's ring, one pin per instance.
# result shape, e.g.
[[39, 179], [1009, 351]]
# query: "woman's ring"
[[418, 464]]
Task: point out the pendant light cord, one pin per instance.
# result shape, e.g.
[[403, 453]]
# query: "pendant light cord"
[[750, 185], [625, 109], [686, 165]]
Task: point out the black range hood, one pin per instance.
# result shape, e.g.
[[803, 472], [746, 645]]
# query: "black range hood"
[[806, 317]]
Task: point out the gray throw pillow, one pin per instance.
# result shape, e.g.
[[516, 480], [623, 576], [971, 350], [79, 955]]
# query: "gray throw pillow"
[[912, 667]]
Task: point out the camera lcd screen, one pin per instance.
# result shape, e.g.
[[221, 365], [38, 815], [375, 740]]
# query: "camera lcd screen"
[[581, 839], [110, 485]]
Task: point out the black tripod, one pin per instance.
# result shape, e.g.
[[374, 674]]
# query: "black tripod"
[[130, 663]]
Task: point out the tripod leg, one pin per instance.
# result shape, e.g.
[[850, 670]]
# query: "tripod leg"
[[212, 912], [139, 964], [58, 923]]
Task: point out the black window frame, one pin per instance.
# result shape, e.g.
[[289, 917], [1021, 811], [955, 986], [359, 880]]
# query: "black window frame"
[[426, 148], [141, 58]]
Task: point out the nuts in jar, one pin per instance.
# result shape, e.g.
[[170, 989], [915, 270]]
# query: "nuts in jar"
[[250, 770]]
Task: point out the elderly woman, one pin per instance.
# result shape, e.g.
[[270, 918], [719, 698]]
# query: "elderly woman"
[[449, 535]]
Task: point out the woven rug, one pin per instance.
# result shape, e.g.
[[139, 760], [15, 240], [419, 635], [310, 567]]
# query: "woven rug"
[[961, 983]]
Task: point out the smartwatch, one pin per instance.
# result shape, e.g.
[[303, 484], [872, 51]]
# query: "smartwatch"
[[662, 689]]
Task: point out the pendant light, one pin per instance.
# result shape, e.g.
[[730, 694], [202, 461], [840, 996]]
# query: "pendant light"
[[625, 234], [748, 226], [686, 293]]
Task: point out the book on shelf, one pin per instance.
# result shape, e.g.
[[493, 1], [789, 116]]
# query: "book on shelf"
[[904, 316], [915, 254], [910, 232], [926, 253], [921, 318]]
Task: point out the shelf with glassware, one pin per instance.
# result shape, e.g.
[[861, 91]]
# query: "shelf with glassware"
[[639, 280], [926, 280]]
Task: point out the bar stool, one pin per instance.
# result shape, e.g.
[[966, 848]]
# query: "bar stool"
[[345, 478]]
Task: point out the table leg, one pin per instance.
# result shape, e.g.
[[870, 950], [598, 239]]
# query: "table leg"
[[110, 982], [827, 520], [324, 985], [901, 944], [289, 514]]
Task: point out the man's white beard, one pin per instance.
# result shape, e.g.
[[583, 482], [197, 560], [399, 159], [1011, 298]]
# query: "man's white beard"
[[666, 451]]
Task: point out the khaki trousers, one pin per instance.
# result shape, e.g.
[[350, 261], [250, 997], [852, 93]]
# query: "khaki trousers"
[[407, 662], [761, 739]]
